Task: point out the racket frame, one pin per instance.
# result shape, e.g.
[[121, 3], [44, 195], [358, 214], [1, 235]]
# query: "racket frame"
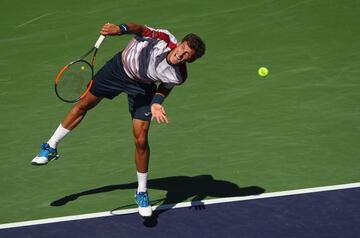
[[81, 59], [61, 73]]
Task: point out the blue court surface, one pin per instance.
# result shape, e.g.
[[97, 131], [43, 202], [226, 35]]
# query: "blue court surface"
[[334, 213]]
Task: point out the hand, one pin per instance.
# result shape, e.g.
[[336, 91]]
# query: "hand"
[[158, 113], [110, 29]]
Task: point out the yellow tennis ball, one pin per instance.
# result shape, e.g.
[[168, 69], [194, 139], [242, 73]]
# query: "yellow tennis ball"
[[263, 71], [82, 67]]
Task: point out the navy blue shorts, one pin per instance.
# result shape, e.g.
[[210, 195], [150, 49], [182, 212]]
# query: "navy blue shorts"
[[111, 80]]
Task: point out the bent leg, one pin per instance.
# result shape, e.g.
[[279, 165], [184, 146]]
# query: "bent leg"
[[79, 110], [73, 118]]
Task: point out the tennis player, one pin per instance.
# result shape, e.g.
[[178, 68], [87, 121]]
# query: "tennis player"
[[146, 70]]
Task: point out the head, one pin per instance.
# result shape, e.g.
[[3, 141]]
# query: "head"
[[188, 50]]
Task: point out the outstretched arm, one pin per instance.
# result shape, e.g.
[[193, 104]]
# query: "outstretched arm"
[[110, 29]]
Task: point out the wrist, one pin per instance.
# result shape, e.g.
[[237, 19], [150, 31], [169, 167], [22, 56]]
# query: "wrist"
[[158, 99], [124, 29]]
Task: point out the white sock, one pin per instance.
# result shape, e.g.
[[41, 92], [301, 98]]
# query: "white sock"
[[142, 181], [58, 135]]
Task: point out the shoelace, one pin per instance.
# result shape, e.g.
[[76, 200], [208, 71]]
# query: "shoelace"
[[48, 148], [142, 199], [45, 147]]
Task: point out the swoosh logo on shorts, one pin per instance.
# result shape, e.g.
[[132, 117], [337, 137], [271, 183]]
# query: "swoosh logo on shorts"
[[147, 114]]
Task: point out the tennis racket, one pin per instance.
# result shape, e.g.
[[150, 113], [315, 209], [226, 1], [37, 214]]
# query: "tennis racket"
[[76, 78]]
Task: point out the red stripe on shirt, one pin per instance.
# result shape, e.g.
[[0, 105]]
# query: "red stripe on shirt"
[[159, 35], [147, 32]]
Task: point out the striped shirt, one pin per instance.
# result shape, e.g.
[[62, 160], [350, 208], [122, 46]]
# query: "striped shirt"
[[144, 58]]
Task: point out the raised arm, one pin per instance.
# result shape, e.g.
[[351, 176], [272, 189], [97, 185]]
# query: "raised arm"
[[110, 29]]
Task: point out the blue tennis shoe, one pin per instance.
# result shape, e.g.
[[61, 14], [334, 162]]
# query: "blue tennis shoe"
[[45, 155], [142, 200]]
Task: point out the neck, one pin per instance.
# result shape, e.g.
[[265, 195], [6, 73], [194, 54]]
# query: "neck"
[[167, 59]]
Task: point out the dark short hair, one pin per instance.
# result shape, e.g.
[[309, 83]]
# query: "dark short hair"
[[196, 44]]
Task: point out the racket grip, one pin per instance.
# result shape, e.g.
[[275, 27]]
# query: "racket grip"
[[99, 41]]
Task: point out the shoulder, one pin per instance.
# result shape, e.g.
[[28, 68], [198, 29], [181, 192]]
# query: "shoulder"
[[161, 34]]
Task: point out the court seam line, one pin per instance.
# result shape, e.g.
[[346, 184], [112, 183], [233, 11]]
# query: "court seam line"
[[33, 20], [181, 205]]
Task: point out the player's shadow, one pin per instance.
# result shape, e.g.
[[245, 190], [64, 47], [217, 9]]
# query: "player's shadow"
[[179, 189]]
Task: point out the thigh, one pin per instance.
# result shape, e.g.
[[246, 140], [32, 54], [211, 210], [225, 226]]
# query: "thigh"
[[89, 101], [139, 104], [109, 80]]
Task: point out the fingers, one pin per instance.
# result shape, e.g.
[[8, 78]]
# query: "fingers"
[[160, 116], [165, 119], [110, 29], [163, 110]]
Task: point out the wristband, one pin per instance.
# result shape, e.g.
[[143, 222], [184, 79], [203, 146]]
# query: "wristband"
[[158, 98], [124, 28]]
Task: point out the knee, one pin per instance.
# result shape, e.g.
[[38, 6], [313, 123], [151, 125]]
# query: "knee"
[[141, 143], [140, 130], [79, 109], [82, 107]]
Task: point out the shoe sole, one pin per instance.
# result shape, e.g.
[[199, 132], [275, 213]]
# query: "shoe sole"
[[39, 164], [151, 213], [145, 216]]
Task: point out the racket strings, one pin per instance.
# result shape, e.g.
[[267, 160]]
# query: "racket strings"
[[74, 81]]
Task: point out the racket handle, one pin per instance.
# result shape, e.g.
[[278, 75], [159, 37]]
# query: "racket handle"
[[99, 41]]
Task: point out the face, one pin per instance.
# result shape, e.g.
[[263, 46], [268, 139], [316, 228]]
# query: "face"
[[181, 54]]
